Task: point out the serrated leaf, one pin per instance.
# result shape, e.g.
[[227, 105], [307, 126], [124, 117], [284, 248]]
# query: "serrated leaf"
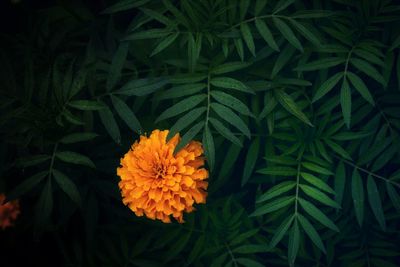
[[225, 132], [67, 186], [182, 106], [239, 47], [290, 105], [229, 116], [323, 63], [86, 105], [126, 114], [311, 232], [357, 192], [317, 182], [303, 30], [316, 168], [251, 159], [167, 41], [27, 185], [75, 158], [77, 137], [282, 171], [182, 90], [287, 33], [230, 83], [229, 67], [281, 231], [142, 87], [318, 195], [345, 102], [209, 147], [248, 37], [317, 214], [107, 118], [273, 206], [185, 121], [283, 58], [231, 102], [294, 242], [338, 149], [375, 202], [266, 34], [188, 136], [327, 86], [340, 182], [360, 86], [368, 69], [276, 190], [117, 63]]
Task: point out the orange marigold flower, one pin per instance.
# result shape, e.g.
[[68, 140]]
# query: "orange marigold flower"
[[157, 183], [8, 212]]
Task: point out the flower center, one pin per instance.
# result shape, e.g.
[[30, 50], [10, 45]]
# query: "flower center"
[[160, 171]]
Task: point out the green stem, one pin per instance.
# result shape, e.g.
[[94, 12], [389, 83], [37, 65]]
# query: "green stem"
[[231, 254], [52, 159]]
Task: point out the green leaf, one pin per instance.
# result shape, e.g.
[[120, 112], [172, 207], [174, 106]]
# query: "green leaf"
[[282, 171], [107, 118], [323, 63], [357, 192], [165, 43], [32, 160], [189, 135], [229, 67], [182, 106], [281, 5], [259, 6], [209, 147], [281, 231], [67, 186], [375, 202], [294, 243], [340, 182], [345, 102], [247, 262], [228, 115], [230, 83], [75, 158], [393, 195], [251, 249], [303, 30], [116, 66], [283, 58], [77, 137], [338, 149], [126, 114], [290, 105], [225, 132], [251, 159], [360, 86], [287, 33], [273, 206], [327, 86], [266, 34], [124, 5], [156, 15], [317, 214], [317, 182], [311, 232], [368, 69], [86, 105], [243, 236], [149, 34], [27, 185], [182, 90], [185, 121], [318, 195], [231, 102], [45, 204], [239, 47], [142, 87], [276, 190], [248, 37], [316, 168]]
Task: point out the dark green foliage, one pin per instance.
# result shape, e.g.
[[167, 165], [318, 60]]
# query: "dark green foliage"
[[297, 104]]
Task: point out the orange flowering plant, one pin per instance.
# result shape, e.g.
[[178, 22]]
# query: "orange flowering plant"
[[159, 184], [9, 212]]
